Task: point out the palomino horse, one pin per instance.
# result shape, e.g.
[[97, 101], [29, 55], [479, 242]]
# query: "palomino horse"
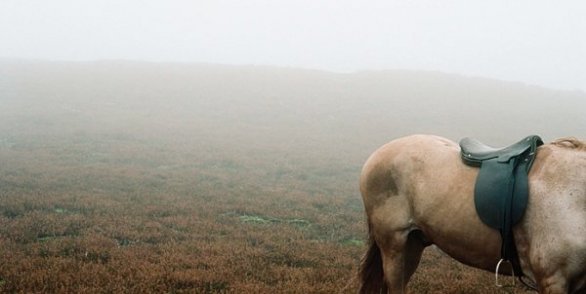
[[417, 192]]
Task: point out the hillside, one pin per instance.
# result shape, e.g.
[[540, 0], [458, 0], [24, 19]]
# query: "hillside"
[[262, 104], [304, 115]]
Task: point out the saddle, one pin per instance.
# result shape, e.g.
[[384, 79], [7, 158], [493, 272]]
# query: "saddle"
[[501, 191]]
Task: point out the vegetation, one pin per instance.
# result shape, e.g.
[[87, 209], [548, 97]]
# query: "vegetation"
[[142, 178]]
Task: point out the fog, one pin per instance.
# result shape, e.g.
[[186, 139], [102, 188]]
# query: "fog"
[[274, 108], [534, 42], [303, 72], [197, 147]]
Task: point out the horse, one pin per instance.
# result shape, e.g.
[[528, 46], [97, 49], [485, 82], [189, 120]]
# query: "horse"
[[417, 192]]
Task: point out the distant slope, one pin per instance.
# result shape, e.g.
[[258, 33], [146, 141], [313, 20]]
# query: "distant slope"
[[323, 113]]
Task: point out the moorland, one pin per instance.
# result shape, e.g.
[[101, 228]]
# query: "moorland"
[[133, 177]]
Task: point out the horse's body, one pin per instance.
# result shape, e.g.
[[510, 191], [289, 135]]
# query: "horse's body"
[[417, 192]]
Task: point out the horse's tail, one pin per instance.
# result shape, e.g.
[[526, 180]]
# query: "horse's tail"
[[371, 273]]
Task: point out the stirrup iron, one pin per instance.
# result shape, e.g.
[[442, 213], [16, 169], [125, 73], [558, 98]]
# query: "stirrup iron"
[[496, 274]]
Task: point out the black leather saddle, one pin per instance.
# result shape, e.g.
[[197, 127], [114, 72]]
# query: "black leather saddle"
[[501, 191], [475, 152]]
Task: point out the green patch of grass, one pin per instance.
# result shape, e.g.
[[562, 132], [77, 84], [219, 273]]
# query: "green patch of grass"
[[352, 242], [256, 219], [262, 219], [125, 241], [45, 239], [298, 222], [60, 210]]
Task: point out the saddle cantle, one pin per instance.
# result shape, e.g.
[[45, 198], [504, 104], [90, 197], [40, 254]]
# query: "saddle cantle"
[[501, 191]]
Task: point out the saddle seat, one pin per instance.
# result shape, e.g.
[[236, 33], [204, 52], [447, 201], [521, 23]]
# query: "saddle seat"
[[475, 152]]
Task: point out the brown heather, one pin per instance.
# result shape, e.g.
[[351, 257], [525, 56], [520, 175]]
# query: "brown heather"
[[134, 178]]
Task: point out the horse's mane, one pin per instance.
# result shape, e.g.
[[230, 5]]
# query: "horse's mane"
[[570, 142]]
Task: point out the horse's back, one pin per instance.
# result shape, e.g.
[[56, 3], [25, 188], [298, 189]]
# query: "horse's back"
[[400, 156]]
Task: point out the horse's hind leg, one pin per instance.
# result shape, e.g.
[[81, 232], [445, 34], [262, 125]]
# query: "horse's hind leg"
[[401, 253]]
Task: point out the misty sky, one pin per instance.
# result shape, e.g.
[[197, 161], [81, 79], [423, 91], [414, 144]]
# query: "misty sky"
[[536, 42]]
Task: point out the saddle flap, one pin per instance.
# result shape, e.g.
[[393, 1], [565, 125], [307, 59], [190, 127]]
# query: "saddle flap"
[[501, 193]]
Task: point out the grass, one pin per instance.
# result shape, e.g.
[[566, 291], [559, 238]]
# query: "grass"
[[120, 225]]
